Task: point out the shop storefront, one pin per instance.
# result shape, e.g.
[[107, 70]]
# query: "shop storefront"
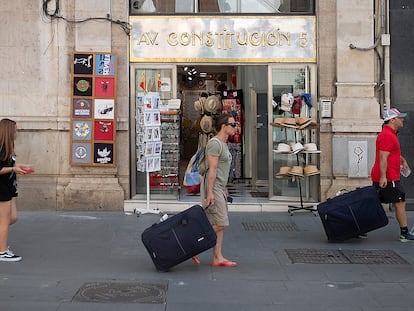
[[332, 56], [261, 68]]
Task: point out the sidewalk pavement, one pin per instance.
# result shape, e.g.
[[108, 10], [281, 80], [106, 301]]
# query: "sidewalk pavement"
[[96, 261]]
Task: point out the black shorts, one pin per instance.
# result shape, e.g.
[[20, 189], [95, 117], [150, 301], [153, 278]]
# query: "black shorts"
[[7, 192], [393, 193]]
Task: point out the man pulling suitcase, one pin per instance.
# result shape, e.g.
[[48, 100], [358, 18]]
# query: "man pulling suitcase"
[[385, 173]]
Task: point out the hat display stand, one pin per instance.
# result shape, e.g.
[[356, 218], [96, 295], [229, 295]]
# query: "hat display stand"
[[293, 208], [302, 124], [209, 108], [148, 127], [311, 208]]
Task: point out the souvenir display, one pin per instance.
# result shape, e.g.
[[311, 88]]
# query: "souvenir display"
[[293, 153], [148, 124], [166, 180], [93, 109]]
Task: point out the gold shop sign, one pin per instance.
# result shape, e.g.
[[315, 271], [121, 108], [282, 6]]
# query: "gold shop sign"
[[223, 39]]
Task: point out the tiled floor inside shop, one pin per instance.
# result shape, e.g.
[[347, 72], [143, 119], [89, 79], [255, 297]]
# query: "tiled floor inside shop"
[[241, 191]]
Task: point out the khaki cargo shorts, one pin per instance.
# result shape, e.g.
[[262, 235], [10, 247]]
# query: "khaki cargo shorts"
[[217, 213]]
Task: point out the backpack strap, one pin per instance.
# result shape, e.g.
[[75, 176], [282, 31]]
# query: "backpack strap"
[[219, 141], [205, 159]]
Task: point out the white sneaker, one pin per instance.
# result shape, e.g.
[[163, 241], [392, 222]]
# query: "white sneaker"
[[8, 255], [9, 251]]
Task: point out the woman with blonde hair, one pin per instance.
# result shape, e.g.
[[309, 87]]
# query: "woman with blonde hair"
[[8, 186]]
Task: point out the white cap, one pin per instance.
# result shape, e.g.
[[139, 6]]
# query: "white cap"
[[296, 148], [393, 113]]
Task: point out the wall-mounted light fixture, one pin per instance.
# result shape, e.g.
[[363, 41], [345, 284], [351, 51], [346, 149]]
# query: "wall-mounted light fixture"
[[190, 70]]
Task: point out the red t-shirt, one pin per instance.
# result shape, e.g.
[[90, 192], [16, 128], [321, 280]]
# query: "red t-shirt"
[[387, 140]]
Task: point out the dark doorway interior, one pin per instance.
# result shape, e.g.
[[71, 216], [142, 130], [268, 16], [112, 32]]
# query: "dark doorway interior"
[[402, 80]]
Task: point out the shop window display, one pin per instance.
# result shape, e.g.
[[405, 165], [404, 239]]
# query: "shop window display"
[[295, 152], [221, 6], [157, 132]]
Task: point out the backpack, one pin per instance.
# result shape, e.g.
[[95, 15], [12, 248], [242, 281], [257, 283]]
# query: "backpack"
[[200, 161], [197, 167]]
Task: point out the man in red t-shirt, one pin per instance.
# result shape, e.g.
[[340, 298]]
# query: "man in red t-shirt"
[[385, 173]]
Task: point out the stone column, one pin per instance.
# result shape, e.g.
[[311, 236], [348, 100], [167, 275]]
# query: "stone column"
[[356, 110], [93, 188]]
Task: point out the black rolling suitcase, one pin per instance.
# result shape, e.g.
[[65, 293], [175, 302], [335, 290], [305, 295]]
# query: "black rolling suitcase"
[[348, 215], [179, 238]]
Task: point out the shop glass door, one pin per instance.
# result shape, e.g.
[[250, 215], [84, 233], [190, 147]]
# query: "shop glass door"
[[262, 129], [290, 82]]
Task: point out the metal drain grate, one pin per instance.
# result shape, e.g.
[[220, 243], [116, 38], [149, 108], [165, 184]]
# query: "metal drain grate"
[[114, 292], [374, 257], [333, 256], [269, 226], [321, 256]]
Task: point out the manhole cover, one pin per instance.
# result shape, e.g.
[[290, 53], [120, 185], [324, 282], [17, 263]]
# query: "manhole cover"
[[374, 257], [269, 226], [115, 292], [321, 256]]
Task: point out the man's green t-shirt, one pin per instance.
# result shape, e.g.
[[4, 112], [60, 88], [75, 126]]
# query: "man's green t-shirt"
[[223, 169]]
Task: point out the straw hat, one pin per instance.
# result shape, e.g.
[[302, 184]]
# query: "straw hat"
[[302, 120], [196, 124], [283, 172], [308, 124], [310, 148], [202, 100], [296, 171], [296, 148], [282, 148], [212, 104], [278, 121], [310, 170], [206, 124], [289, 122], [197, 105]]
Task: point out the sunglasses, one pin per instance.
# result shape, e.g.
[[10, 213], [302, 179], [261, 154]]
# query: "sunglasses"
[[232, 124]]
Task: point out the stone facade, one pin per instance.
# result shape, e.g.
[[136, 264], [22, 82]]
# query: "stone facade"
[[36, 88], [347, 77]]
